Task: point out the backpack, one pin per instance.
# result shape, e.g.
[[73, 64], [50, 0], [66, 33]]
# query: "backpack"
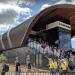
[[6, 68]]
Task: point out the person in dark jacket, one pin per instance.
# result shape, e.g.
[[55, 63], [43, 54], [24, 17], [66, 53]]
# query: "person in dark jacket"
[[17, 64], [29, 65], [71, 62], [5, 68]]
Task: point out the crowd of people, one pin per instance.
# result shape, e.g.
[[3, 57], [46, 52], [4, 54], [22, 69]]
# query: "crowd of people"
[[5, 67], [44, 48], [60, 60]]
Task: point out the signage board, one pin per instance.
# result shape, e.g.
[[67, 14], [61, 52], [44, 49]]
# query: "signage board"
[[58, 24]]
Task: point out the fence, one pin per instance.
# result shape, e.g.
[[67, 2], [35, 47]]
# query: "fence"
[[38, 73]]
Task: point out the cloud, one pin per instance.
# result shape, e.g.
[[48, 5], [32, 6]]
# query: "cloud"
[[65, 2], [61, 2], [10, 14], [27, 2], [4, 28], [8, 1], [44, 6]]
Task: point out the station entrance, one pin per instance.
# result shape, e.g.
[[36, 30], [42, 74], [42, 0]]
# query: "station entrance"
[[59, 34], [56, 35]]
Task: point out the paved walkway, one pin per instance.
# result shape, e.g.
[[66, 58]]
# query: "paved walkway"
[[23, 69], [34, 71]]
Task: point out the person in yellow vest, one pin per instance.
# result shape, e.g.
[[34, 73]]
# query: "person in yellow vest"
[[64, 66], [53, 66]]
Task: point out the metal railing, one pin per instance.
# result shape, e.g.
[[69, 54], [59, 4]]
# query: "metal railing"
[[38, 73]]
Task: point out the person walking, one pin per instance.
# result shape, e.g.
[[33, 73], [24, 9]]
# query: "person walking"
[[17, 64], [5, 68]]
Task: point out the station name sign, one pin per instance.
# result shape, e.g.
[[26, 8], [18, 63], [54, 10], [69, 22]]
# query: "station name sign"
[[58, 24], [65, 26]]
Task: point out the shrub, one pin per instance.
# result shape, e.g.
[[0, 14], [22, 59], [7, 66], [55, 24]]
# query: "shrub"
[[3, 58]]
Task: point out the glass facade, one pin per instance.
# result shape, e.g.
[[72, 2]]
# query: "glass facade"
[[64, 38]]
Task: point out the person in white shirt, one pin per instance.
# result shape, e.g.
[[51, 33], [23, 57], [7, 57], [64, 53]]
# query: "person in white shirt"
[[43, 45], [55, 51], [50, 52], [46, 49], [58, 53]]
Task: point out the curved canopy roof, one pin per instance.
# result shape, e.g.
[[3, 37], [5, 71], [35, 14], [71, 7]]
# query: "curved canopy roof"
[[17, 36]]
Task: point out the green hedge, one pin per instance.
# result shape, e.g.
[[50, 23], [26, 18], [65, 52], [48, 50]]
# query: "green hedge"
[[3, 58]]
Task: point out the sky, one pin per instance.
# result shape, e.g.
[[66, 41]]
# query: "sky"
[[14, 12]]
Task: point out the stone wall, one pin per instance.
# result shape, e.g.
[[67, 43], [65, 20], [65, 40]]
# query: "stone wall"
[[21, 53], [35, 59]]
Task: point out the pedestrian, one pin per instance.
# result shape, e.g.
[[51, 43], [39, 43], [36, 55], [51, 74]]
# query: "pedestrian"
[[5, 68], [53, 66], [64, 66], [29, 66], [17, 64], [71, 63]]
